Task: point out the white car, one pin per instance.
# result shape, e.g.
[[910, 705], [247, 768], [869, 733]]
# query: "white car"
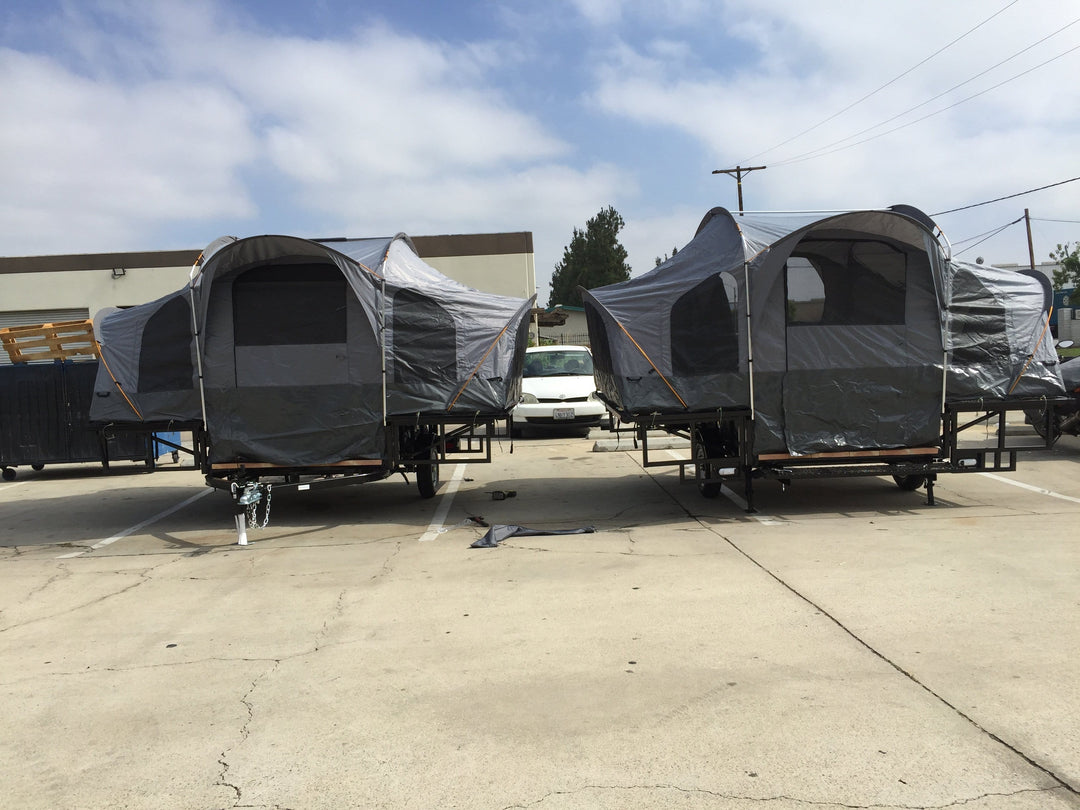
[[558, 390]]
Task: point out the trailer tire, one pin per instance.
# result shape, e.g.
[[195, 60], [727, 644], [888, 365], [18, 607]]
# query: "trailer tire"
[[909, 483], [427, 477], [1037, 418], [8, 474], [708, 489], [37, 467]]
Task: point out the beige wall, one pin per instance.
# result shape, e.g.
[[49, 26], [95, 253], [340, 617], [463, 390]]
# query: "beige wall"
[[94, 281], [93, 289], [513, 275]]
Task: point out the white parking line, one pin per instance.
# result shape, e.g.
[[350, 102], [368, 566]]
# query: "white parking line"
[[12, 486], [436, 527], [738, 500], [109, 540], [1031, 488]]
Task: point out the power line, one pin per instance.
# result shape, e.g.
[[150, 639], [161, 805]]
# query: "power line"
[[987, 235], [1007, 197], [813, 152], [882, 87], [930, 115], [1069, 221]]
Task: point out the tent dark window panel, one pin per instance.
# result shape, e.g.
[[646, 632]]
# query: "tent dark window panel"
[[425, 340], [704, 335], [846, 282], [290, 305], [598, 338], [165, 355]]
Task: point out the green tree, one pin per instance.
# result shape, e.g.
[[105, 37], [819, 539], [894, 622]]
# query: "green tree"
[[674, 253], [593, 258], [1068, 256]]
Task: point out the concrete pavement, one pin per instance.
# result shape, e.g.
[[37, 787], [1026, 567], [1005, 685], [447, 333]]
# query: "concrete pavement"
[[846, 646]]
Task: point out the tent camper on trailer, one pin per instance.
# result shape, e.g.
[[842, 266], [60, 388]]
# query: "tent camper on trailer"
[[346, 360], [816, 345]]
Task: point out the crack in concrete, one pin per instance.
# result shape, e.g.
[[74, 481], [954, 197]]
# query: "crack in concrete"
[[336, 613], [63, 573], [82, 606], [245, 732], [144, 576], [777, 798], [1060, 780]]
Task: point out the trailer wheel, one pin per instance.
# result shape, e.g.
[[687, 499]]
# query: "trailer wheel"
[[37, 467], [8, 474], [1037, 418], [909, 483], [427, 476], [709, 489]]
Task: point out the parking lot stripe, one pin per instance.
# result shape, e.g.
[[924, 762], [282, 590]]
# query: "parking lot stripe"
[[121, 535], [436, 527], [1040, 490], [735, 498]]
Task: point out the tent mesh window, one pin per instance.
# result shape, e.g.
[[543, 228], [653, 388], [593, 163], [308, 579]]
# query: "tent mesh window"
[[704, 337], [165, 355], [289, 305], [425, 340], [852, 282]]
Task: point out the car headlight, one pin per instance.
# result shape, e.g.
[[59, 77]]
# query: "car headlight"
[[528, 399]]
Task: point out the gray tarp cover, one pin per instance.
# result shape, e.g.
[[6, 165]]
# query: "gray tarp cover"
[[850, 319], [293, 338], [496, 534]]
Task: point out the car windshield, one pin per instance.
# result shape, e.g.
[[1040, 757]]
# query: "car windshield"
[[558, 364]]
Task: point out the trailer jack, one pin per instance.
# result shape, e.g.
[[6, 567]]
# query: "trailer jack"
[[246, 498]]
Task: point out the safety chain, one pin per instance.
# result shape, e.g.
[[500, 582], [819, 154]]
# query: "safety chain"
[[252, 511]]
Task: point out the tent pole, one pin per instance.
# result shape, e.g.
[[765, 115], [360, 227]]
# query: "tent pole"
[[749, 341], [382, 340], [198, 347]]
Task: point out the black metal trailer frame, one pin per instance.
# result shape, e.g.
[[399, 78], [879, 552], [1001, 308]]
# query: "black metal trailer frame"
[[419, 443], [722, 450]]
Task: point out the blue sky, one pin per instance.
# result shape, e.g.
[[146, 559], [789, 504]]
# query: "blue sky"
[[145, 124]]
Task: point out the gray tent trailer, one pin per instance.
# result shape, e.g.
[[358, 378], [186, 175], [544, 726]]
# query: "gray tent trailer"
[[319, 362], [814, 345]]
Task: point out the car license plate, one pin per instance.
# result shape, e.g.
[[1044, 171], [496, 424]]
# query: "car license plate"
[[563, 413]]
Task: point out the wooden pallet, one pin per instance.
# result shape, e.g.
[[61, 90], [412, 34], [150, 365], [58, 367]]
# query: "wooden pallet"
[[62, 340]]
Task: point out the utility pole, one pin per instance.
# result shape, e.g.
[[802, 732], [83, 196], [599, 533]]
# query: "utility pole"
[[738, 173], [1031, 247]]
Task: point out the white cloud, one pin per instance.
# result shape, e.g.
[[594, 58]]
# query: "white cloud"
[[802, 62], [148, 118], [82, 156], [172, 124]]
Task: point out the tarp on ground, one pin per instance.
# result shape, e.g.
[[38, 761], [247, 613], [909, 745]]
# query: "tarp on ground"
[[294, 337], [834, 329]]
